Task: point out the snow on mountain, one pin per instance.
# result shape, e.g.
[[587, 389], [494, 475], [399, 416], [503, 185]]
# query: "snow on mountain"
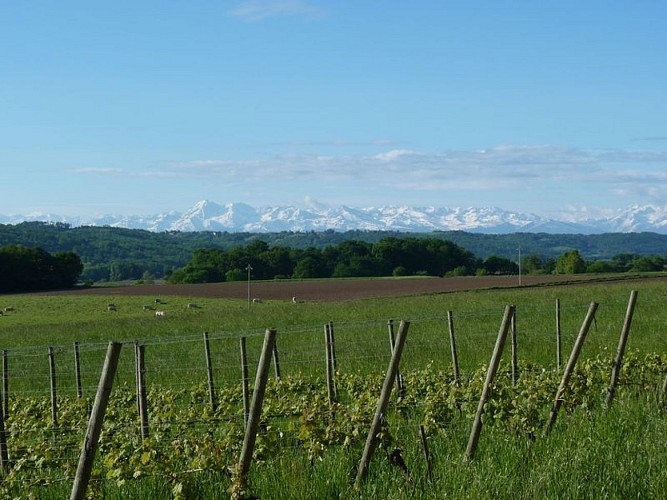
[[236, 217], [637, 219]]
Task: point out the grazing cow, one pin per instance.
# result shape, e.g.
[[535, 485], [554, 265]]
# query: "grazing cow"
[[158, 301], [256, 301], [112, 307], [9, 309], [293, 300], [160, 314], [192, 305], [1, 313], [146, 307]]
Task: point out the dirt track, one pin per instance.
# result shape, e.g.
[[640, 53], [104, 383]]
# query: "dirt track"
[[332, 290]]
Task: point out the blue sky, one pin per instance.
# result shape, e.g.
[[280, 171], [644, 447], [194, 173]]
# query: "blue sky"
[[147, 106]]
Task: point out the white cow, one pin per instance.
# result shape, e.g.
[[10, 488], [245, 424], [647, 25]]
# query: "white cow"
[[160, 314]]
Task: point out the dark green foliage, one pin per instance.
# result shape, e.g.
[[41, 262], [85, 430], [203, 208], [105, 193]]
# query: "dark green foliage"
[[109, 253], [570, 263], [410, 256], [500, 265], [25, 269]]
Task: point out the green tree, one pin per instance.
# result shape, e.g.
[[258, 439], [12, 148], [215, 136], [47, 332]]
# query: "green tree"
[[647, 265], [570, 263], [500, 265], [532, 263]]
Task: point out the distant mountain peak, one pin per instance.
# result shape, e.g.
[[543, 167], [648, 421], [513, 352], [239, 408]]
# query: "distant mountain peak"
[[207, 215]]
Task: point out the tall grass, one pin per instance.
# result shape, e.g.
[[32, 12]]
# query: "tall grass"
[[174, 349], [592, 453]]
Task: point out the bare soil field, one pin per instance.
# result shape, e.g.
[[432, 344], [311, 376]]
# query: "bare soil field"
[[337, 290]]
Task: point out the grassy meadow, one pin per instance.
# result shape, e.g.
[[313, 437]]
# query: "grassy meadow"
[[303, 454]]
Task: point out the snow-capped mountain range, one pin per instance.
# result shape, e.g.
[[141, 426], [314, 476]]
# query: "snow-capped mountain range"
[[239, 217]]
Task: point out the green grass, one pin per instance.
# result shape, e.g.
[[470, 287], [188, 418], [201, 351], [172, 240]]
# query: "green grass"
[[591, 453], [174, 345]]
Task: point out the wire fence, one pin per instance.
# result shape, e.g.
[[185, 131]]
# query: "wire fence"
[[48, 390]]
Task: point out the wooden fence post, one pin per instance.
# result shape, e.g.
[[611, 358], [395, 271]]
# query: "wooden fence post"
[[5, 383], [77, 371], [331, 391], [569, 368], [137, 380], [333, 347], [209, 372], [426, 453], [256, 407], [515, 364], [390, 377], [244, 381], [90, 442], [452, 344], [392, 341], [143, 403], [4, 454], [276, 361], [52, 378], [491, 373], [620, 351], [558, 335]]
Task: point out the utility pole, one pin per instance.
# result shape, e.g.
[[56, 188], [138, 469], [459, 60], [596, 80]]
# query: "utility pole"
[[248, 268]]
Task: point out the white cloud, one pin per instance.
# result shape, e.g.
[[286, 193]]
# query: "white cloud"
[[394, 154], [96, 170], [256, 10], [120, 172], [490, 169], [542, 174]]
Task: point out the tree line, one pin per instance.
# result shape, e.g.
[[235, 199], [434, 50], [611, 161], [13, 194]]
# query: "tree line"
[[24, 269], [387, 257], [119, 254]]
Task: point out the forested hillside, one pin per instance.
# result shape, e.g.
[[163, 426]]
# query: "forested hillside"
[[24, 269], [109, 253]]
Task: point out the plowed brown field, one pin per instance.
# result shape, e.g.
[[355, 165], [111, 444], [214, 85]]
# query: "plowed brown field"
[[335, 290]]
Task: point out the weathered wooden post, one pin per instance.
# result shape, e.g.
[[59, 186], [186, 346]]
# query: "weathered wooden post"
[[558, 335], [209, 372], [426, 453], [490, 374], [90, 442], [390, 377], [276, 361], [255, 408], [452, 344], [5, 383], [620, 351], [569, 368], [331, 390], [137, 380], [77, 371], [392, 341], [143, 403], [515, 364], [244, 381], [333, 347], [4, 454], [52, 378]]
